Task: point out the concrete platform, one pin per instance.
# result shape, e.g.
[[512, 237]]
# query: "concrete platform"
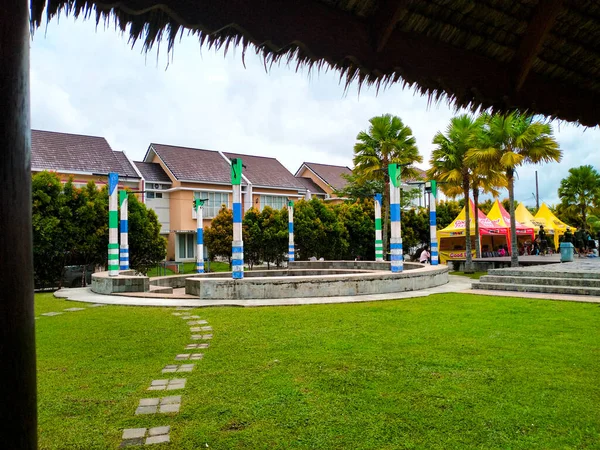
[[580, 277], [486, 264]]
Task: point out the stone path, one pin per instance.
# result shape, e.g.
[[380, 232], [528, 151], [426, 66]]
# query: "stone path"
[[55, 313], [169, 404]]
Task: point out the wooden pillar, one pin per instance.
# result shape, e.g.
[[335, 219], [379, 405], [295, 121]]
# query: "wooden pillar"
[[18, 418]]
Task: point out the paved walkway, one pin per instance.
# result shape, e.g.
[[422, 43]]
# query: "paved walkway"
[[456, 284]]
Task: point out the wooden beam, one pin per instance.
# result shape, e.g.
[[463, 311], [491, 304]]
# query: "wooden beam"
[[385, 20], [18, 418], [540, 25]]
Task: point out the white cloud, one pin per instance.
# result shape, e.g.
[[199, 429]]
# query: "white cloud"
[[91, 82]]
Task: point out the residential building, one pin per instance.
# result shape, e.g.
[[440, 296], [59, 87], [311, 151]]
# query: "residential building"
[[328, 178], [84, 158], [206, 174]]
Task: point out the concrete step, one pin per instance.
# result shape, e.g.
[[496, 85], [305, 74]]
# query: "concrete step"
[[545, 289], [161, 289], [546, 281], [539, 273]]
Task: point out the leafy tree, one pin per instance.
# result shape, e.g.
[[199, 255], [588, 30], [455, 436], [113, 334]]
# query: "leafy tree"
[[91, 236], [275, 234], [580, 192], [446, 212], [218, 236], [317, 231], [146, 246], [449, 167], [359, 220], [360, 188], [49, 249], [509, 141], [387, 141], [253, 237], [415, 228]]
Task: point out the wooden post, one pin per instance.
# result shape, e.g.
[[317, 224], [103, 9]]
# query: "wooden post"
[[18, 418]]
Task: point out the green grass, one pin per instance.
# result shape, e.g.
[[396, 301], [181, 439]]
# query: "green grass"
[[474, 276], [443, 372], [190, 267]]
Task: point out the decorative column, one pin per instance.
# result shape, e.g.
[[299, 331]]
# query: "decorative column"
[[433, 223], [199, 236], [237, 246], [18, 417], [291, 231], [396, 237], [378, 238], [113, 225], [124, 248]]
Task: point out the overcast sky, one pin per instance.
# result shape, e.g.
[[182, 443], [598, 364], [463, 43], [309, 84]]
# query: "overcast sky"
[[90, 81]]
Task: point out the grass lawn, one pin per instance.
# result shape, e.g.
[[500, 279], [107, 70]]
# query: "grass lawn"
[[474, 276], [190, 267], [443, 372]]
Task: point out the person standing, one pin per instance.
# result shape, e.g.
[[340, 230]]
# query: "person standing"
[[543, 240], [579, 241]]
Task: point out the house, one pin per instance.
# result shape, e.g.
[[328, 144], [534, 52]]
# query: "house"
[[84, 158], [328, 178], [175, 176]]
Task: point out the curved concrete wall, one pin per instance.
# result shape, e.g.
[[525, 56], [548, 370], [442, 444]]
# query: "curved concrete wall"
[[264, 287], [126, 281]]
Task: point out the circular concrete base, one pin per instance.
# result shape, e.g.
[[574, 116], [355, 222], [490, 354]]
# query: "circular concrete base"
[[340, 278]]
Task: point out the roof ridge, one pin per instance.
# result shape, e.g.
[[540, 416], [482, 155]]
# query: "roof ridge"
[[72, 134], [329, 165]]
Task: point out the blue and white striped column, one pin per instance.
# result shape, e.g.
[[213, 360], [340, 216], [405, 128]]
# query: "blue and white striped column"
[[237, 246], [124, 224], [433, 224], [199, 237], [397, 264], [291, 231], [113, 225], [378, 235]]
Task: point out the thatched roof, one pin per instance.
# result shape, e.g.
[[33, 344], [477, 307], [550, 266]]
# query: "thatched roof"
[[537, 55]]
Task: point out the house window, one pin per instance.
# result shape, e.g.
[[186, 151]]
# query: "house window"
[[187, 245], [149, 194], [274, 201], [215, 201], [159, 195]]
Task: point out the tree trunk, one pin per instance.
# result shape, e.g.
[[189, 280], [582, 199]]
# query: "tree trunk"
[[18, 415], [385, 219], [469, 257], [477, 237], [514, 251]]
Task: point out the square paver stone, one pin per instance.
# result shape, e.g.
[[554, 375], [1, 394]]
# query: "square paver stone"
[[205, 345], [50, 314], [207, 336], [174, 387], [160, 439], [195, 329], [170, 369], [159, 382], [196, 356], [74, 309], [182, 357], [209, 328], [170, 408], [186, 317], [157, 431], [149, 401], [96, 305], [171, 400], [132, 442], [176, 314], [146, 410], [186, 368], [131, 433], [196, 337]]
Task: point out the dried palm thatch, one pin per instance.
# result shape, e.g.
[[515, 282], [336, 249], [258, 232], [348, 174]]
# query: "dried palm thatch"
[[542, 56]]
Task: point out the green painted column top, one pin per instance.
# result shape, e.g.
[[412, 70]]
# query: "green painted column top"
[[122, 197], [198, 203], [236, 171], [291, 204], [394, 170], [434, 188]]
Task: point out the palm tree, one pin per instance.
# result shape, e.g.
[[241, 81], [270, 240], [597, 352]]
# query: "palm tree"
[[580, 191], [449, 168], [387, 141], [509, 141]]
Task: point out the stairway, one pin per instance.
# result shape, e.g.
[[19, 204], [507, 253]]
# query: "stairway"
[[547, 282]]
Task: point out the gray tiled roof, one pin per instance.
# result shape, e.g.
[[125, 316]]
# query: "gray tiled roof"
[[192, 164], [208, 166], [332, 175], [311, 185], [64, 152], [152, 172], [263, 171]]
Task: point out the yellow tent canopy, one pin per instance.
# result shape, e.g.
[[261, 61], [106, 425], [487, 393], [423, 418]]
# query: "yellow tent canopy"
[[501, 218], [523, 216], [551, 223]]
